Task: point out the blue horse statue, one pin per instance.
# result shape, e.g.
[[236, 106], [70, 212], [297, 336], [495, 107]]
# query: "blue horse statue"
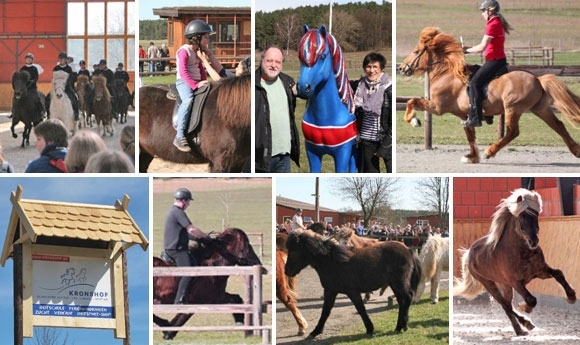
[[329, 124]]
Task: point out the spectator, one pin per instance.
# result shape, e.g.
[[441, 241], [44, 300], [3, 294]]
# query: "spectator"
[[83, 145], [163, 53], [142, 55], [5, 166], [109, 161], [51, 144], [297, 222], [360, 229], [127, 141], [152, 53]]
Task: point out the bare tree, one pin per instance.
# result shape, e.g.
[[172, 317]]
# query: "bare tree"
[[346, 29], [371, 193], [434, 194], [288, 29], [50, 336]]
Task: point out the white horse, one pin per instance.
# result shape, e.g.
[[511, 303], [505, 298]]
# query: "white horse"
[[60, 105], [434, 258]]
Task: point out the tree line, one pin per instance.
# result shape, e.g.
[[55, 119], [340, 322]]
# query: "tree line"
[[153, 29], [356, 26]]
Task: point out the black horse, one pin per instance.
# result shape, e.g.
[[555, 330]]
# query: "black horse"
[[230, 247], [122, 100], [27, 105]]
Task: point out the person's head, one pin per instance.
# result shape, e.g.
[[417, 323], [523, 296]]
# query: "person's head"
[[29, 58], [82, 146], [151, 43], [299, 211], [120, 66], [82, 64], [70, 59], [51, 131], [489, 7], [95, 67], [62, 58], [103, 64], [127, 140], [244, 66], [182, 197], [109, 161], [374, 65], [197, 33], [271, 64]]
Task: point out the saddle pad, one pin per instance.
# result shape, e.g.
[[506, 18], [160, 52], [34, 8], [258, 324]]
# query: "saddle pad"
[[199, 97]]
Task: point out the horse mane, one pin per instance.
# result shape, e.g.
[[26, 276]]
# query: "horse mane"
[[319, 39], [234, 91], [20, 75], [100, 84], [319, 245], [447, 51], [59, 75], [521, 200]]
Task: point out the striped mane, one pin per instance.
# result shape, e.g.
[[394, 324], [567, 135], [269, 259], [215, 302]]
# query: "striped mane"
[[312, 46]]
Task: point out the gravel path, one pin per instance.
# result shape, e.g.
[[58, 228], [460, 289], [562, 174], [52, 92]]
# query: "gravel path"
[[514, 159]]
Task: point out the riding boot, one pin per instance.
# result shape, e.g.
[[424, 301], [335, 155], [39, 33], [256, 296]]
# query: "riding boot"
[[475, 114], [182, 290]]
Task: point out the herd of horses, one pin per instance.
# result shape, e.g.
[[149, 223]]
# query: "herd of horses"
[[94, 98]]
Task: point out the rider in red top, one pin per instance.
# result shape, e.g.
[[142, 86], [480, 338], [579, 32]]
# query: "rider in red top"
[[492, 45]]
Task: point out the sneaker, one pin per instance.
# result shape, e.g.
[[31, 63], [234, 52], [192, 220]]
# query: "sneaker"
[[182, 145], [471, 123]]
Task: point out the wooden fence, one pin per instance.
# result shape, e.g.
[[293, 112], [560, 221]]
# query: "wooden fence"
[[533, 55], [561, 71], [229, 62], [252, 306], [259, 243]]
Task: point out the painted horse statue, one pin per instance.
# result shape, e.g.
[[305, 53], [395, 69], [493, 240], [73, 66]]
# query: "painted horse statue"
[[329, 125]]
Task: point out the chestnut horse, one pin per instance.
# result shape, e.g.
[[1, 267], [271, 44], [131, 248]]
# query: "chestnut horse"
[[352, 271], [225, 123], [286, 293], [230, 247], [511, 94], [508, 258]]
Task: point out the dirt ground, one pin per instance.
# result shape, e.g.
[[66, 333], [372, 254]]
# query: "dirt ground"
[[19, 157], [343, 313], [484, 322], [447, 159]]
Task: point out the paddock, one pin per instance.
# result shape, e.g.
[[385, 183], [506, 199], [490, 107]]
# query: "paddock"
[[253, 306]]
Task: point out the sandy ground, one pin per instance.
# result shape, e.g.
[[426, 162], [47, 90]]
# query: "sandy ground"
[[514, 159]]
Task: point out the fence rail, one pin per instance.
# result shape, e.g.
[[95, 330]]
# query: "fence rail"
[[252, 302]]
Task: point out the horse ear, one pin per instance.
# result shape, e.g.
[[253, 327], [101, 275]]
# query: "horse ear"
[[305, 28], [322, 30]]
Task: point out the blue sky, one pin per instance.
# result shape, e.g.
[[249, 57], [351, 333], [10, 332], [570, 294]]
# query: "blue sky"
[[101, 191], [301, 188]]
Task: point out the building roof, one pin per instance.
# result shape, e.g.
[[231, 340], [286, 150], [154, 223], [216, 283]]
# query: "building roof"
[[174, 12], [40, 218], [282, 201]]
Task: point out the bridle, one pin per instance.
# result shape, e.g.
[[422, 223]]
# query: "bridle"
[[412, 67]]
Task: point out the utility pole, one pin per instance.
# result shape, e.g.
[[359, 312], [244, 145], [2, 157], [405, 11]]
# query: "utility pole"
[[329, 29], [317, 201]]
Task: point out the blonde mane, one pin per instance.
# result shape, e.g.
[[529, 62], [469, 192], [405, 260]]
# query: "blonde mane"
[[521, 200], [443, 53]]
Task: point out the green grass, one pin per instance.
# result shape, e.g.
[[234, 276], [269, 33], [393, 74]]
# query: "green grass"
[[249, 209], [428, 324]]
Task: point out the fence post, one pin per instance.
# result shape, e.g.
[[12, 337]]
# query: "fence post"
[[428, 126], [257, 296]]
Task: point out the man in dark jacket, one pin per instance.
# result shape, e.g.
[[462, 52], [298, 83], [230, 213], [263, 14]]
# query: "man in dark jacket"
[[277, 141]]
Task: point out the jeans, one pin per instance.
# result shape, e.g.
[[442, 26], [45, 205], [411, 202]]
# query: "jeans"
[[151, 66], [280, 164], [186, 95], [182, 259]]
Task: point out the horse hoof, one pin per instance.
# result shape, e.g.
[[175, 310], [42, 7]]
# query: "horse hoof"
[[15, 136], [415, 122], [469, 160], [571, 299]]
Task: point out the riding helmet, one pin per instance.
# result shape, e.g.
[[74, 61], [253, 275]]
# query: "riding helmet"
[[62, 55], [490, 5], [298, 210], [197, 27], [182, 193], [29, 55]]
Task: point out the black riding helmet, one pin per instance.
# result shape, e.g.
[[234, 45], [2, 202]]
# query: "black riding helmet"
[[29, 55], [490, 5], [182, 193], [197, 27], [62, 55]]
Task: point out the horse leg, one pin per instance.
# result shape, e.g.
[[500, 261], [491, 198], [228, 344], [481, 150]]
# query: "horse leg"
[[290, 304], [314, 160], [421, 104], [473, 155], [178, 320], [508, 294], [549, 272], [160, 321], [435, 286], [404, 295], [145, 158], [506, 305], [360, 308], [512, 132], [547, 115], [329, 299]]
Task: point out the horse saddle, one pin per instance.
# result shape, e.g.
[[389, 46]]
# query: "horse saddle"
[[199, 97], [472, 69]]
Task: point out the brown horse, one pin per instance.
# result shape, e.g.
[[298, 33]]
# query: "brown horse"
[[83, 88], [352, 271], [102, 106], [225, 127], [511, 94], [230, 247], [508, 258], [286, 293]]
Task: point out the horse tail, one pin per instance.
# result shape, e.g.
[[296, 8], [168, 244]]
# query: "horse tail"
[[467, 287], [417, 273], [428, 257], [291, 286], [563, 98]]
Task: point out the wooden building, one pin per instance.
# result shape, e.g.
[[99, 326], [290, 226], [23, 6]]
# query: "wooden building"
[[85, 29], [232, 40], [285, 209]]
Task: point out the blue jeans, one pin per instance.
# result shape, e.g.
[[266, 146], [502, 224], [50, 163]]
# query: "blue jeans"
[[186, 95], [151, 66], [280, 164]]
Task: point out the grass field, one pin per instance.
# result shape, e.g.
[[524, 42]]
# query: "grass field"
[[246, 206]]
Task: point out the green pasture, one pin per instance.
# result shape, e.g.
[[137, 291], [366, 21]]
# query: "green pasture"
[[428, 324], [248, 208]]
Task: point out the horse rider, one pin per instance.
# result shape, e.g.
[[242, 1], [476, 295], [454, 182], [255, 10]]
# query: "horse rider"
[[492, 45], [110, 76], [70, 91], [83, 69], [34, 70], [297, 222], [178, 231], [121, 74]]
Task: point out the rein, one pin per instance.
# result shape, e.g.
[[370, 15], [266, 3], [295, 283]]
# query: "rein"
[[414, 64]]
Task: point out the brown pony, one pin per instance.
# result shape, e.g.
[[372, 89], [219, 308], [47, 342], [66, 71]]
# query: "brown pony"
[[225, 127], [83, 88], [511, 94], [352, 271], [102, 107], [286, 293], [508, 258], [230, 247]]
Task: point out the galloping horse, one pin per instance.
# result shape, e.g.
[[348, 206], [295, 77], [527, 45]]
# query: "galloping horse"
[[26, 106], [230, 247], [225, 134], [508, 258], [102, 107], [352, 271], [329, 125], [511, 94], [60, 105]]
